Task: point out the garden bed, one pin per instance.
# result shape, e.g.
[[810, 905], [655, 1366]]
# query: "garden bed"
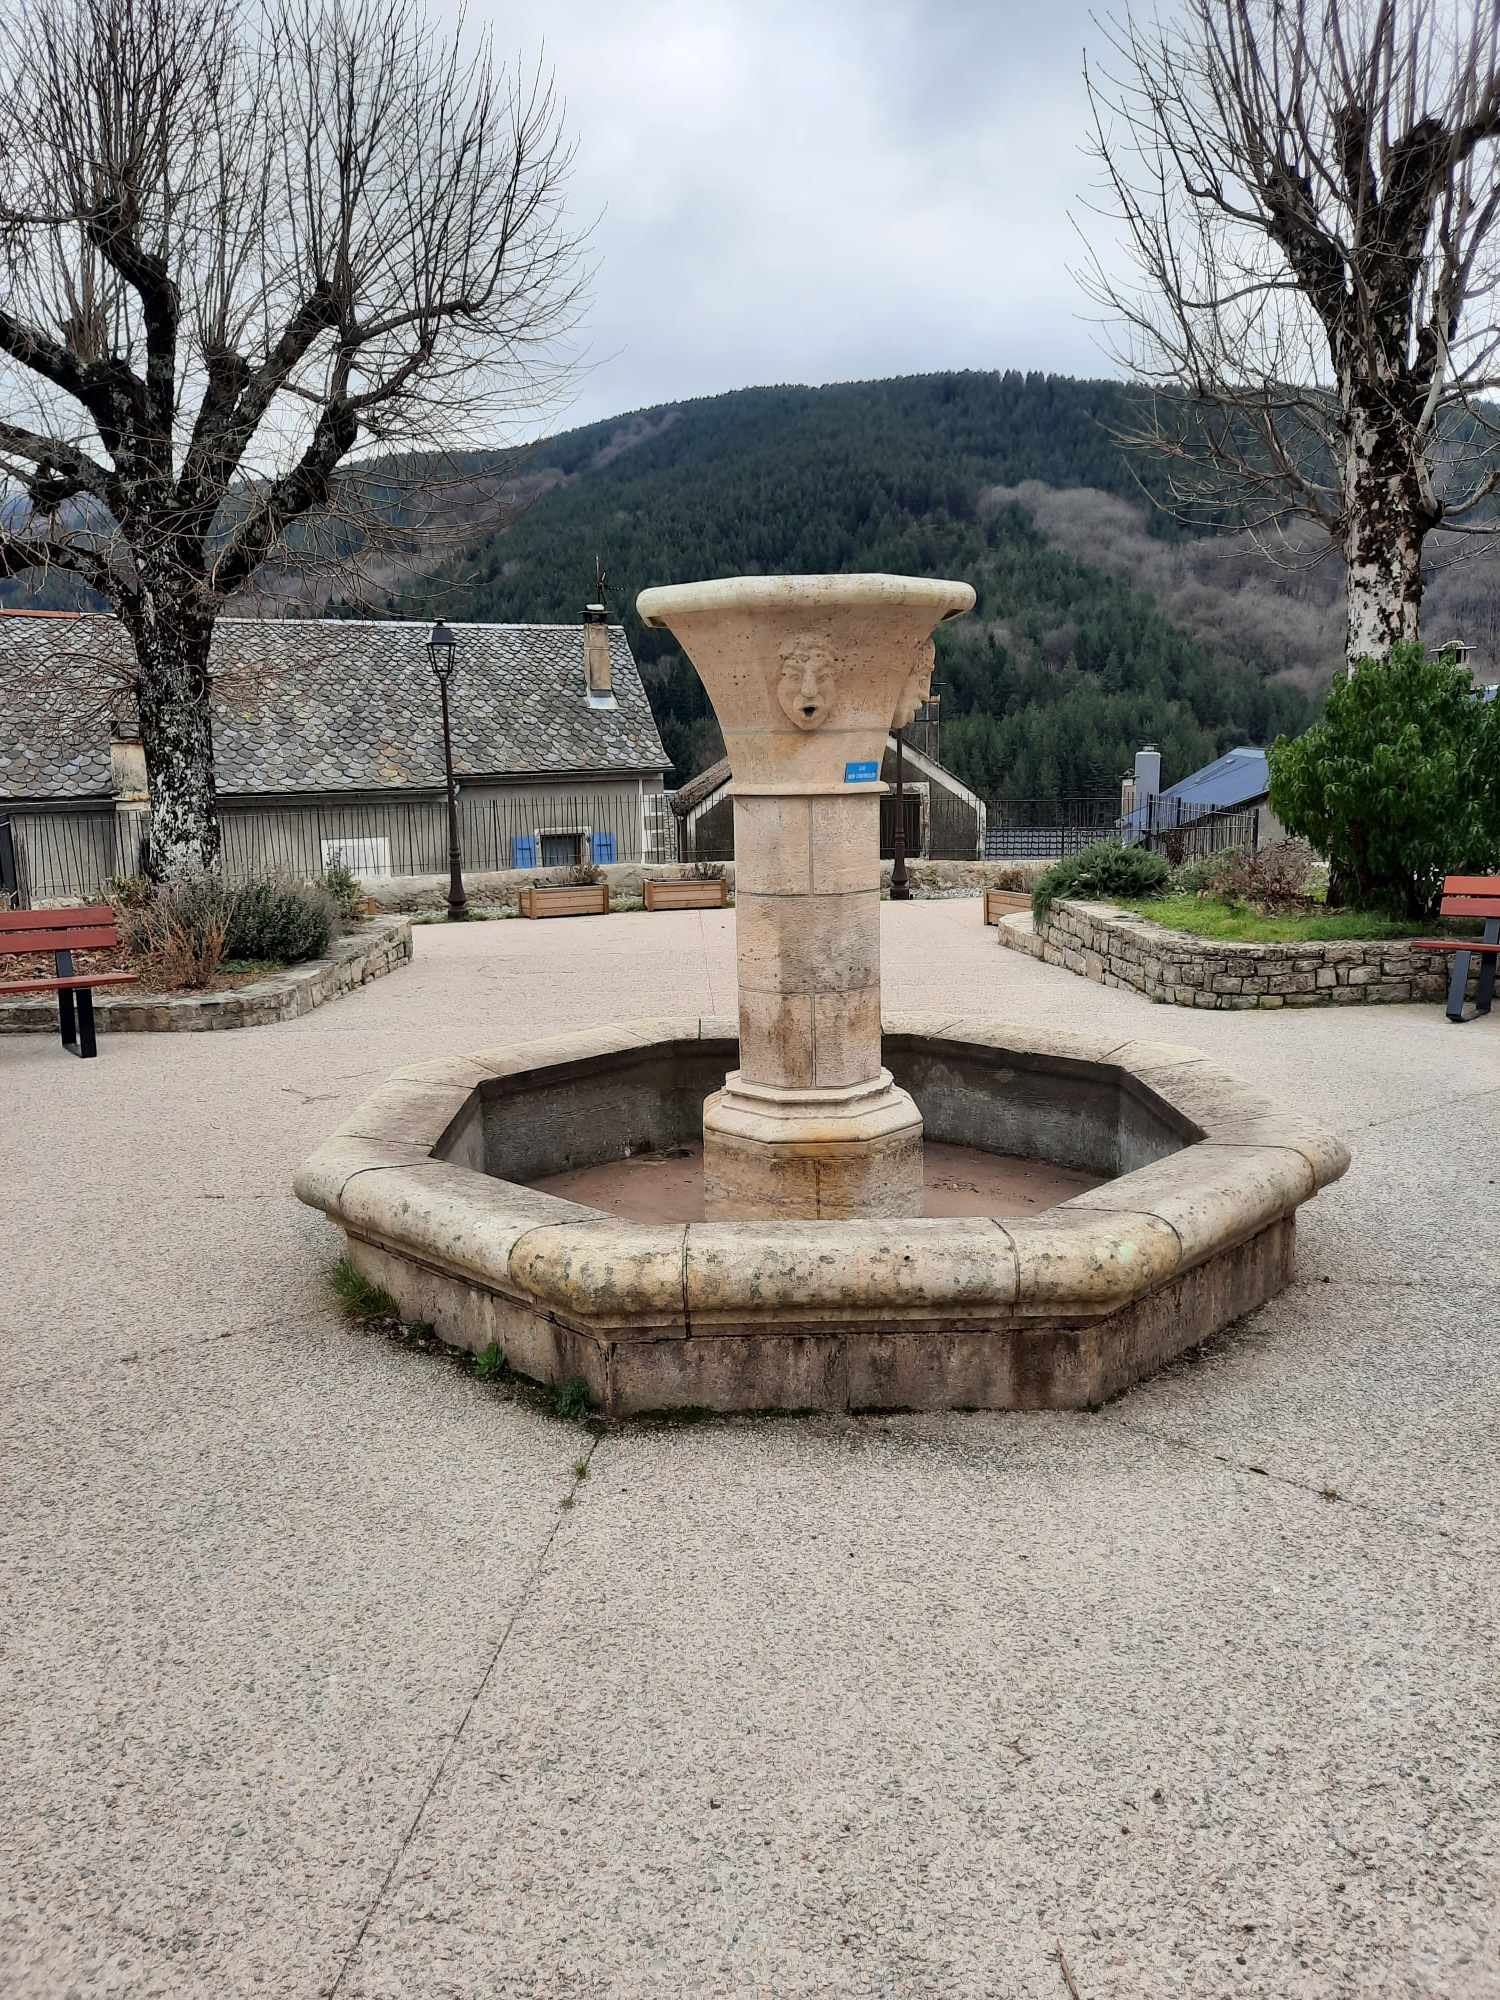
[[243, 1000], [1118, 947]]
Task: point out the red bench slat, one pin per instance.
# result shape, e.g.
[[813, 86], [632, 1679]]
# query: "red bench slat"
[[67, 985], [1471, 906], [91, 929], [1455, 944], [42, 920], [29, 942], [1471, 885]]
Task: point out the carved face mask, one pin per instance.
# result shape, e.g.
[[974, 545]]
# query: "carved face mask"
[[918, 686], [805, 686]]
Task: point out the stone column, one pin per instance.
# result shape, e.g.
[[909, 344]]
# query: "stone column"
[[805, 675]]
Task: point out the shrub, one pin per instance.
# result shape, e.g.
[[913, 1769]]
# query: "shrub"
[[585, 874], [1103, 870], [345, 889], [1398, 784], [273, 918], [1274, 879], [180, 927], [186, 928], [707, 871], [1195, 878]]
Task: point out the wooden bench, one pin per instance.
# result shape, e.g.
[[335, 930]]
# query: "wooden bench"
[[62, 932], [1470, 896]]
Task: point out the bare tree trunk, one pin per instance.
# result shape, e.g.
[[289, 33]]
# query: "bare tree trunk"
[[172, 702], [1386, 519]]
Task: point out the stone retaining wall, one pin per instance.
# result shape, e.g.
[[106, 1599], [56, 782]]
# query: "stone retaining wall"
[[380, 945], [1117, 948]]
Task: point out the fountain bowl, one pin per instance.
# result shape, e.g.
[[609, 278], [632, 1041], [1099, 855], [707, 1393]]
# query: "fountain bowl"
[[1062, 1309]]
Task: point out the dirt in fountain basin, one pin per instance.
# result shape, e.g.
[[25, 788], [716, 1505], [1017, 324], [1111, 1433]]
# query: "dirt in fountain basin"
[[668, 1187]]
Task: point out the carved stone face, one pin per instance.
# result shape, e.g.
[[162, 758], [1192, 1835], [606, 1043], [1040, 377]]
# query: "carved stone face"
[[918, 686], [805, 685]]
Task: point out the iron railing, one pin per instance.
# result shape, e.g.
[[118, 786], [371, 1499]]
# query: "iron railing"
[[1183, 832], [1048, 829]]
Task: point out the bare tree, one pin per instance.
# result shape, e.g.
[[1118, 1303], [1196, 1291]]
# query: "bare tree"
[[1310, 193], [242, 249]]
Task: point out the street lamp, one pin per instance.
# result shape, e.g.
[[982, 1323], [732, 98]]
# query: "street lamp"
[[900, 886], [442, 651]]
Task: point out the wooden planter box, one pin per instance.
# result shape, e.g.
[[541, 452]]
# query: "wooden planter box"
[[1000, 903], [583, 899], [694, 894]]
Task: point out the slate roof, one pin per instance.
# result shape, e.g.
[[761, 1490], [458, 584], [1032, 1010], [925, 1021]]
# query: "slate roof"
[[330, 705]]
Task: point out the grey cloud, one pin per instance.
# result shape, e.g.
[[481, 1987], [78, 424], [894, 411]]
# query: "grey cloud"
[[822, 192]]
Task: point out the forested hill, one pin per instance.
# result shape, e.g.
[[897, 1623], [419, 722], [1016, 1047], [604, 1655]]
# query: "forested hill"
[[1066, 666]]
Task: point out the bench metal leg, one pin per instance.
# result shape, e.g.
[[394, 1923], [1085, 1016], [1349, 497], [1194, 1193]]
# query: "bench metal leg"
[[87, 1046], [66, 1020], [1458, 985]]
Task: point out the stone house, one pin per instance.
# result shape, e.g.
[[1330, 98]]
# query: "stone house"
[[328, 744]]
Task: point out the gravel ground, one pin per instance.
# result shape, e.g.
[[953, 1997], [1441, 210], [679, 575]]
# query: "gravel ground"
[[325, 1671]]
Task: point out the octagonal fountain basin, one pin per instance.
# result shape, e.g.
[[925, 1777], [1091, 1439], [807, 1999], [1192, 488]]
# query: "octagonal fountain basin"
[[1190, 1184]]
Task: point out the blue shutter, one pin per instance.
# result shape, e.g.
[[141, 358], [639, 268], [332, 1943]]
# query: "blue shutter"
[[523, 850], [604, 848]]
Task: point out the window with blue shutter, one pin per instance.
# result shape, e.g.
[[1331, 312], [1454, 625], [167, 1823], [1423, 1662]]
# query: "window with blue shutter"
[[523, 850], [604, 848]]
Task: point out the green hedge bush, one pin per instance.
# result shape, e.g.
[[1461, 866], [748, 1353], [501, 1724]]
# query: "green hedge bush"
[[273, 918], [1398, 784], [1106, 869]]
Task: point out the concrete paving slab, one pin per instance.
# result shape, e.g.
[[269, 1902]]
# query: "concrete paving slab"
[[252, 1576], [1386, 1394], [891, 1708], [249, 1592]]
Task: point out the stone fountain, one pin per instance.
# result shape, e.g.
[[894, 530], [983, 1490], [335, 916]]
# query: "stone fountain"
[[805, 1273], [805, 674]]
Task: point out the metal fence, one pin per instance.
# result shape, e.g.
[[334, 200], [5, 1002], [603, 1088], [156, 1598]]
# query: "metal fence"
[[1048, 829], [60, 855], [1182, 832]]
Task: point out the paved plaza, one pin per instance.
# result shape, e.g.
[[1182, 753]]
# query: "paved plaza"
[[325, 1672]]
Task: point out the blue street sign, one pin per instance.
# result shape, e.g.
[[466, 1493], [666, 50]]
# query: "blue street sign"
[[860, 774]]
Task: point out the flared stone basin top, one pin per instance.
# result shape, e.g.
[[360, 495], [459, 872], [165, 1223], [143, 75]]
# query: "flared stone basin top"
[[806, 672], [1062, 1308]]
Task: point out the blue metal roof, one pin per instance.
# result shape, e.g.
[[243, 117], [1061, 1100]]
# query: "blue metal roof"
[[1235, 779], [1231, 780]]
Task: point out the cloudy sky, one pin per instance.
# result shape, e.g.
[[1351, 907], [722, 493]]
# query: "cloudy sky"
[[820, 191]]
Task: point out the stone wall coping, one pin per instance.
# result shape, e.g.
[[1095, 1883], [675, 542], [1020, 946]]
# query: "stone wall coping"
[[378, 946], [1247, 1163]]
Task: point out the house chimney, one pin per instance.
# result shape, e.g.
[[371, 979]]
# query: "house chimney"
[[1147, 774], [596, 666]]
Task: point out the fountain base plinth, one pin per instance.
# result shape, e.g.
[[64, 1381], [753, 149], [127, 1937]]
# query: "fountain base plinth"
[[822, 1155]]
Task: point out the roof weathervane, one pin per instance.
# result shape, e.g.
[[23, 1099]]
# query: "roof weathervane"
[[600, 580]]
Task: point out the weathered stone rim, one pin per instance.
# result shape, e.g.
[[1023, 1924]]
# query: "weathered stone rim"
[[810, 593], [1246, 1164]]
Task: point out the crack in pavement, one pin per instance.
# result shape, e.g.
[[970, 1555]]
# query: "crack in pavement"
[[528, 1592], [139, 1354], [1332, 1494]]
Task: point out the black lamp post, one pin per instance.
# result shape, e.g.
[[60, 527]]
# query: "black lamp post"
[[442, 651], [900, 886]]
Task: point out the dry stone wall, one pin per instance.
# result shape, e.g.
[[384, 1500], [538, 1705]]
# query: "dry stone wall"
[[1118, 949]]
